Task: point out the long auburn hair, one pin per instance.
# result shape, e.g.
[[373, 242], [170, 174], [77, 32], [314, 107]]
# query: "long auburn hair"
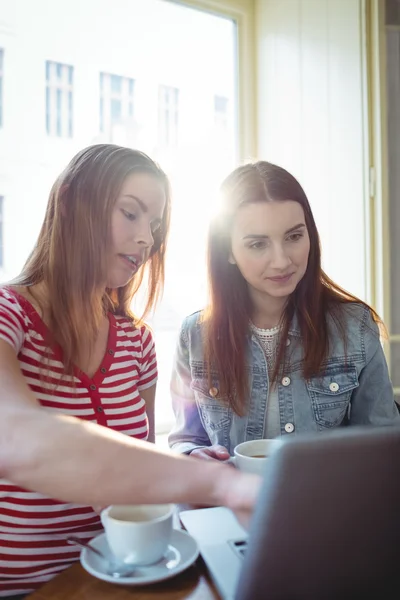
[[226, 319], [72, 250]]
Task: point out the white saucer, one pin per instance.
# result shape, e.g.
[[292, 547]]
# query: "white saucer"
[[181, 553]]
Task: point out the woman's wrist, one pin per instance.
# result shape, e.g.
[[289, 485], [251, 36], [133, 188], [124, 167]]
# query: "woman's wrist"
[[207, 482], [236, 490]]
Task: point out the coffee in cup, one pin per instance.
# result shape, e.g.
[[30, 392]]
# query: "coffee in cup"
[[252, 456]]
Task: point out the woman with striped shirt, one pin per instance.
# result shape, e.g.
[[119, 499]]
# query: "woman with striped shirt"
[[78, 372]]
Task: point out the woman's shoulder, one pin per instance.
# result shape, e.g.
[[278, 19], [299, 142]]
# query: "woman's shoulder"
[[191, 329], [357, 319], [133, 329], [193, 321], [131, 324], [12, 300], [15, 317]]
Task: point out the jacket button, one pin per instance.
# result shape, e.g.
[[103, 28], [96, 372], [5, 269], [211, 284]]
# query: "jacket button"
[[288, 342], [286, 381], [333, 386], [289, 427], [93, 387], [213, 392]]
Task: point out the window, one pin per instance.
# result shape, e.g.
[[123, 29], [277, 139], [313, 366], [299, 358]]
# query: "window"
[[59, 89], [221, 113], [139, 93], [1, 86], [1, 232], [168, 116], [116, 101]]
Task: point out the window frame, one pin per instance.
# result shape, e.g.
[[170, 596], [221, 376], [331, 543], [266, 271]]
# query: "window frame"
[[378, 136]]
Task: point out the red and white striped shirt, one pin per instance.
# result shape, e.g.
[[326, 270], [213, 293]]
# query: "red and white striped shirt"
[[33, 527]]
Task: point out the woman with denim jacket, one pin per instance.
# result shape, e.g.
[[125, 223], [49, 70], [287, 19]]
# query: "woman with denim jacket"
[[281, 349]]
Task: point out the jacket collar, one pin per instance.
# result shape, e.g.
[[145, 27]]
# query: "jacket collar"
[[294, 328]]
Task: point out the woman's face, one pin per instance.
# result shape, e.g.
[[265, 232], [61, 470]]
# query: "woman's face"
[[136, 216], [270, 246]]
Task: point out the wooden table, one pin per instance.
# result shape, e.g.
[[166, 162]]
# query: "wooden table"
[[75, 584]]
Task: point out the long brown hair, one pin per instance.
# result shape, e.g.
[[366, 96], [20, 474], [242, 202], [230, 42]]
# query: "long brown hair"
[[71, 253], [226, 319]]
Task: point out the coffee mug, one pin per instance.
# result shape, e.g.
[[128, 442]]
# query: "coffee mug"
[[252, 456], [138, 535]]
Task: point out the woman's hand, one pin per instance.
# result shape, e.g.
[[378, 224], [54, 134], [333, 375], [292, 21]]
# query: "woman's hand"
[[215, 452], [239, 493]]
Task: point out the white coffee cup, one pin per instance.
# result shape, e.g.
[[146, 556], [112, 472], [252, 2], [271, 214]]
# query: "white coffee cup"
[[138, 535], [252, 456]]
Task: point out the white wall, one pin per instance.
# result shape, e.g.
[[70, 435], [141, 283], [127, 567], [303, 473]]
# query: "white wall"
[[310, 110]]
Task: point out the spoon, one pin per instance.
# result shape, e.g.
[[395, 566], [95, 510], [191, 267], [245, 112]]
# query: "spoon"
[[113, 569]]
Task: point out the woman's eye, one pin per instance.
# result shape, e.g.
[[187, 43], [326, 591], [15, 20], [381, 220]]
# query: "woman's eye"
[[295, 237], [128, 215], [257, 245]]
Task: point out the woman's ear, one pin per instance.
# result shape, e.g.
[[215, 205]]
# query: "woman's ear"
[[231, 259]]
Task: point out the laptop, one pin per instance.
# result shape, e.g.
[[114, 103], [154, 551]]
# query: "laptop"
[[326, 525]]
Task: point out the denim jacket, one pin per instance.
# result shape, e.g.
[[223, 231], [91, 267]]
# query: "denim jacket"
[[354, 387]]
